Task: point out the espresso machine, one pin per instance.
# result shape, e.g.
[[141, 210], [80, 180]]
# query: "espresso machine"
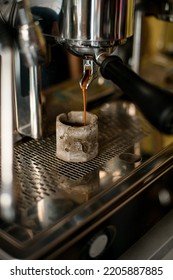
[[115, 205]]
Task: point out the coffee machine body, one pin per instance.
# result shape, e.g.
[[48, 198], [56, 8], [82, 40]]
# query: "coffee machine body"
[[51, 209]]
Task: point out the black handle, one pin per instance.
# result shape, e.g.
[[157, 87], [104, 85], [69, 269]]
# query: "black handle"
[[155, 103]]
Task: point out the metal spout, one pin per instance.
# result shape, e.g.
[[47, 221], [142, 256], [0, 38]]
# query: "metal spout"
[[89, 73]]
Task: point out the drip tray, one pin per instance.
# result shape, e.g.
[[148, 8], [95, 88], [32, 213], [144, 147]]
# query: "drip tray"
[[40, 173]]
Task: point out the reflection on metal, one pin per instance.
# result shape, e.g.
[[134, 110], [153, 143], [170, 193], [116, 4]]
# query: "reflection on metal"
[[83, 26], [164, 197], [35, 103], [27, 98], [6, 92], [137, 39]]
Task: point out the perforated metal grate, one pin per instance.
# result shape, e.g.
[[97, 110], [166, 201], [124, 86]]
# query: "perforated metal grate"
[[39, 172]]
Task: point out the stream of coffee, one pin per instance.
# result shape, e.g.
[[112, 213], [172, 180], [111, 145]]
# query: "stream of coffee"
[[84, 87]]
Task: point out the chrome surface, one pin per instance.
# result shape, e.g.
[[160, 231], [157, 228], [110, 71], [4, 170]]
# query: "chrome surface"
[[8, 11], [35, 103], [30, 37], [6, 125], [137, 40], [28, 49], [28, 103], [83, 26], [17, 14], [90, 25], [31, 44]]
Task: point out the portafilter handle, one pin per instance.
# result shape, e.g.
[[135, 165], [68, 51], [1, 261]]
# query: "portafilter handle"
[[155, 103]]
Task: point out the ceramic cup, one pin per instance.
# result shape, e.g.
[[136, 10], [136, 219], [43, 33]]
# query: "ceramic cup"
[[74, 141]]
